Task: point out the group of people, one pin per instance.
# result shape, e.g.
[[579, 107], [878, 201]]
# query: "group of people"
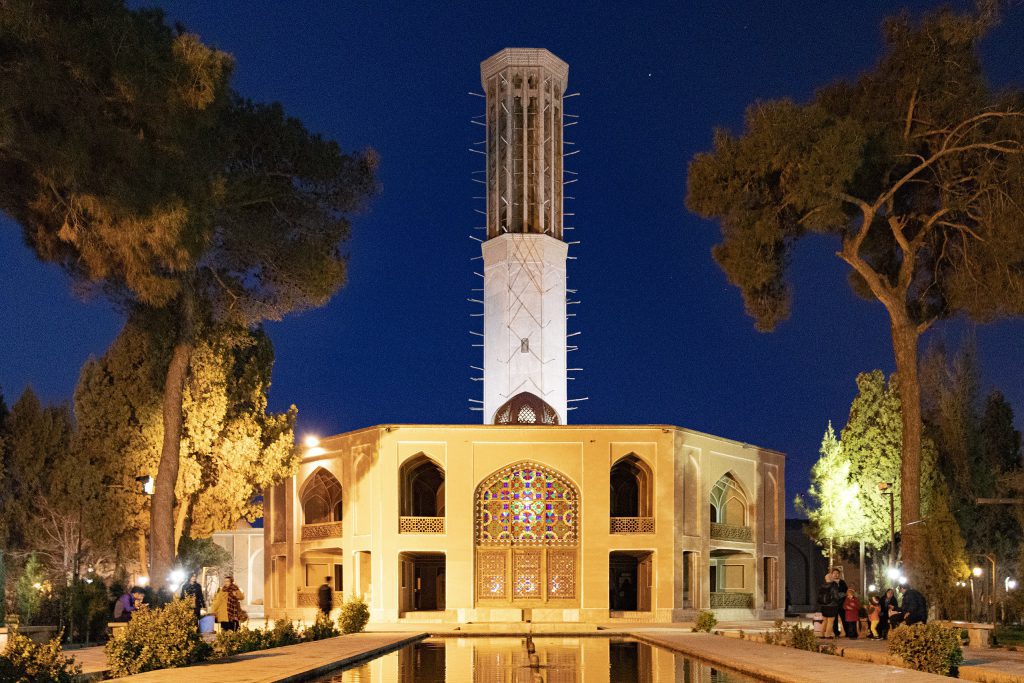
[[839, 603], [226, 607]]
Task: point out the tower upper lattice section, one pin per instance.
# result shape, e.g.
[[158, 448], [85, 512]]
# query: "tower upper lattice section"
[[524, 89]]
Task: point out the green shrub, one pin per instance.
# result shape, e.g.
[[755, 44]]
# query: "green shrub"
[[803, 638], [283, 633], [323, 627], [705, 621], [30, 591], [157, 639], [229, 643], [927, 647], [27, 662], [355, 614]]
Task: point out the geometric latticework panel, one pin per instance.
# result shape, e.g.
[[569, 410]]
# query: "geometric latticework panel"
[[561, 573], [526, 504], [632, 525], [526, 574], [490, 575], [525, 409]]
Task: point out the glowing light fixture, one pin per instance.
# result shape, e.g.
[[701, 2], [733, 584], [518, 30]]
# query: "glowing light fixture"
[[977, 571], [892, 573], [311, 441], [872, 588], [142, 580]]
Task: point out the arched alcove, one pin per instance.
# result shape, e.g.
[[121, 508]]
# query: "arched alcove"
[[630, 488], [321, 498], [422, 488], [525, 409], [728, 502]]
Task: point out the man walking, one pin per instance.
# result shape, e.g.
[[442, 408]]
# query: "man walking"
[[325, 597]]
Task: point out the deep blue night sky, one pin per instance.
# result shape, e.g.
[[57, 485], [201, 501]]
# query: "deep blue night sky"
[[664, 337]]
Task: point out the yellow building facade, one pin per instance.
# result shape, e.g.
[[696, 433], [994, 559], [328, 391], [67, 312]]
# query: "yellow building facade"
[[476, 523]]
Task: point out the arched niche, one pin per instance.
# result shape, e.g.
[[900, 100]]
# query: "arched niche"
[[321, 498], [422, 487], [630, 488], [729, 502], [525, 409]]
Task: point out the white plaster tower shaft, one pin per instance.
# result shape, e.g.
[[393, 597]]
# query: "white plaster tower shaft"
[[524, 254]]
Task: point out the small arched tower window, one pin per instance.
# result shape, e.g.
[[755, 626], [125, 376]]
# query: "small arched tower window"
[[321, 498], [630, 488], [525, 409], [728, 502], [422, 488]]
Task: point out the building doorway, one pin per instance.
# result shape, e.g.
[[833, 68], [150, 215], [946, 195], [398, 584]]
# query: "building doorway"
[[629, 581], [422, 582]]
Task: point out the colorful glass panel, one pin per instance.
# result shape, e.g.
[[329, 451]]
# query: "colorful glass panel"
[[526, 504]]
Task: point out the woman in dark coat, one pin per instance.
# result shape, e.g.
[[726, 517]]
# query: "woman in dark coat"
[[828, 604], [888, 600]]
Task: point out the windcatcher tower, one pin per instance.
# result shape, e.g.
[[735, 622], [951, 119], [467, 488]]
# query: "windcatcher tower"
[[524, 254]]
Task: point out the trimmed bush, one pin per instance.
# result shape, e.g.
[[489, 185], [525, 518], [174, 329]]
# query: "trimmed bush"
[[283, 633], [229, 643], [159, 638], [803, 638], [927, 647], [323, 627], [705, 621], [355, 614], [27, 662]]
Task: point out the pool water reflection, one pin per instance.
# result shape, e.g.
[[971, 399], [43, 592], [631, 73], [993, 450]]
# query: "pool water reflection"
[[533, 660]]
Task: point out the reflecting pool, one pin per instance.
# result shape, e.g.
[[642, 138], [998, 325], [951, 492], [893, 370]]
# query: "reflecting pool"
[[533, 660]]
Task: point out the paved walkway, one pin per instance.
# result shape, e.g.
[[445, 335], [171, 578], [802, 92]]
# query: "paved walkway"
[[280, 664], [774, 663]]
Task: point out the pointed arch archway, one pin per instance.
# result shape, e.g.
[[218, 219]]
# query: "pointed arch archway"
[[321, 498], [730, 510], [526, 530]]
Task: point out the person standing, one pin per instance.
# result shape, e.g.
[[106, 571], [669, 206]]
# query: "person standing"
[[191, 590], [828, 602], [227, 605], [887, 603], [325, 597], [851, 613], [837, 578], [874, 618]]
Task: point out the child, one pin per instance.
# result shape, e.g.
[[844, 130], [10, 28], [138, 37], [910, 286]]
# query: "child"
[[874, 617], [851, 613]]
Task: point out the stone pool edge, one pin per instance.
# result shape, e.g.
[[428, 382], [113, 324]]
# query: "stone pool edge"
[[352, 660]]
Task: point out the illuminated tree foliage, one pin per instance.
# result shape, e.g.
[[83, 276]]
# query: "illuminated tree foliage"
[[231, 447], [833, 505], [915, 170], [127, 158], [872, 439]]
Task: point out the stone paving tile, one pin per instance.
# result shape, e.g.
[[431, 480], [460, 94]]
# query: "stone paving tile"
[[773, 663], [285, 664]]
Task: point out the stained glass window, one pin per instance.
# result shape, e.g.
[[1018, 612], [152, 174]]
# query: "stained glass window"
[[527, 504]]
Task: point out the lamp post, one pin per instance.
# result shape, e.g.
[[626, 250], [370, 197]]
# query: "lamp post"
[[886, 489], [976, 572], [992, 595]]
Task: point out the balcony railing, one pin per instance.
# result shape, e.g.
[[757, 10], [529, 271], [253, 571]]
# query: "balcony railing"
[[732, 600], [421, 525], [310, 598], [632, 525], [731, 532], [313, 532]]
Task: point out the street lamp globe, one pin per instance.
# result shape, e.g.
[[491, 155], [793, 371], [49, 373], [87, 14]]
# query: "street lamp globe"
[[977, 571]]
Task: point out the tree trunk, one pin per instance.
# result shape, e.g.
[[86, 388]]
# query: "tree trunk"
[[905, 342], [162, 514]]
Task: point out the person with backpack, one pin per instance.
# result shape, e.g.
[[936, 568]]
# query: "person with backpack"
[[829, 598]]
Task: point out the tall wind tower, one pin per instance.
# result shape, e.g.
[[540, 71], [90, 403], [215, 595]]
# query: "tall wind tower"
[[524, 255]]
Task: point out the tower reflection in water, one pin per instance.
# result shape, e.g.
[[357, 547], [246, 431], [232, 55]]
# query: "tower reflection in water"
[[533, 660]]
